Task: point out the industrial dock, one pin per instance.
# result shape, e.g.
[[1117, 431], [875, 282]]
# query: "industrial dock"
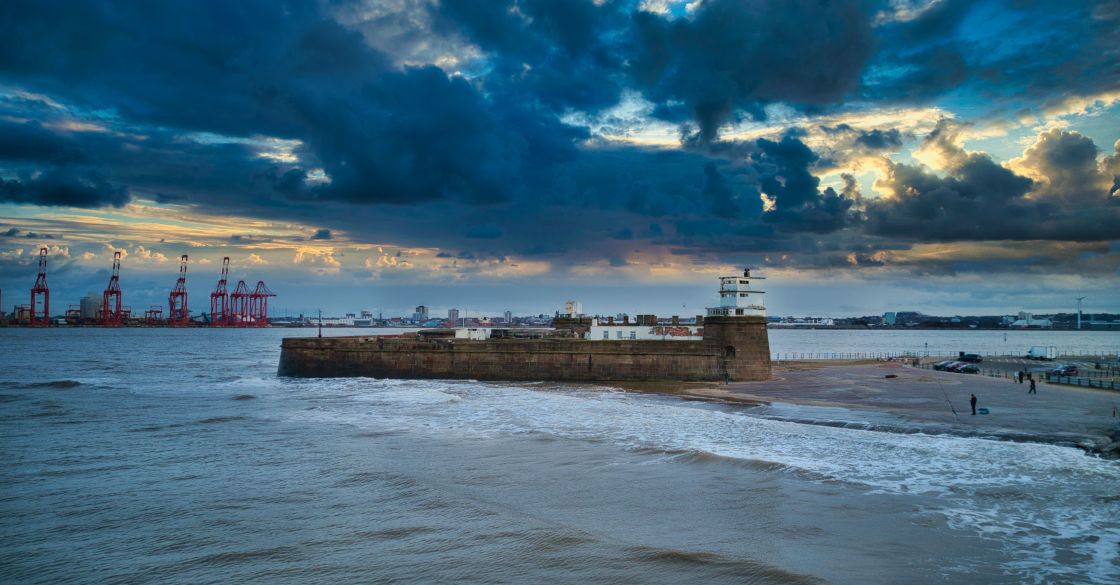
[[240, 308]]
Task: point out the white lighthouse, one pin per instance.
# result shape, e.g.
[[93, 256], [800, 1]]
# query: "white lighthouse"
[[737, 298]]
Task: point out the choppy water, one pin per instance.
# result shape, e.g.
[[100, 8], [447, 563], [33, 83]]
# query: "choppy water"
[[179, 456]]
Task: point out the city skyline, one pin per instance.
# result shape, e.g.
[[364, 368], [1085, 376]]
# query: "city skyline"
[[935, 155]]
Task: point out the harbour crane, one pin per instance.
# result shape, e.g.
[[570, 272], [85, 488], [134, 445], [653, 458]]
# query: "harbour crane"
[[111, 298], [41, 295], [179, 315], [219, 299]]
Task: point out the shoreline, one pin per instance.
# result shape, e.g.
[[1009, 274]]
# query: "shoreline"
[[858, 394]]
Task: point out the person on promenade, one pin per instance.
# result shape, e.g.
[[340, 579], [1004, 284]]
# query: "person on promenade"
[[1032, 390], [1020, 376], [972, 401]]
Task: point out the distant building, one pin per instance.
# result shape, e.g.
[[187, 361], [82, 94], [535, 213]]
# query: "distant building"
[[90, 305], [421, 313], [573, 308], [806, 323], [889, 318], [453, 315], [1031, 322], [509, 317], [610, 330]]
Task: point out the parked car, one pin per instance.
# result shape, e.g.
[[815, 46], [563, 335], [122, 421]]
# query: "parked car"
[[956, 366], [1065, 370], [971, 358], [944, 364], [969, 369]]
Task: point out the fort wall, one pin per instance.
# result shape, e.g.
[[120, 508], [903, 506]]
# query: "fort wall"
[[734, 349]]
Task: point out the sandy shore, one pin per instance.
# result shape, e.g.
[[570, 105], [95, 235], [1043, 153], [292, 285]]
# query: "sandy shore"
[[917, 400]]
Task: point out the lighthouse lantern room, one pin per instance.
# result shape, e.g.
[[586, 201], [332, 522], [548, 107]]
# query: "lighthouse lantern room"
[[737, 298]]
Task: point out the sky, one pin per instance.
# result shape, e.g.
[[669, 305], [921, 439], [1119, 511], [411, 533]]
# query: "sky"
[[943, 156]]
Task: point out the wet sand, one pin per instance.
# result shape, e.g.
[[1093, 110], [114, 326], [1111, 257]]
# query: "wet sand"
[[922, 400]]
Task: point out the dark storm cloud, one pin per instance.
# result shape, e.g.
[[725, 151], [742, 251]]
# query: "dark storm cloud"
[[979, 199], [321, 234], [1068, 160], [716, 190], [784, 175], [880, 140], [484, 232], [729, 57], [997, 54], [736, 55], [190, 94], [561, 53], [381, 134], [30, 141], [61, 187]]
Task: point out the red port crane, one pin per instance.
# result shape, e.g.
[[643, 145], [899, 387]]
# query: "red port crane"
[[178, 314], [258, 305], [239, 305], [111, 299], [219, 299], [41, 295]]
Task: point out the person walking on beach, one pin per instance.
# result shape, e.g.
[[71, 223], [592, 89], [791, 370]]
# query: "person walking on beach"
[[972, 401], [1032, 390]]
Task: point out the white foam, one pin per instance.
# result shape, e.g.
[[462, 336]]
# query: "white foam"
[[1033, 499]]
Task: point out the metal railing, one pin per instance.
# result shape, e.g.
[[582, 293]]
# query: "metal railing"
[[1079, 381], [1085, 381], [813, 356]]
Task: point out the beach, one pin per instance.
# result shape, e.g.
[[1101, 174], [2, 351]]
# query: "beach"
[[893, 396]]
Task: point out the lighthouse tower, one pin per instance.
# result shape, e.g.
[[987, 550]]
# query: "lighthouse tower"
[[737, 330], [737, 298]]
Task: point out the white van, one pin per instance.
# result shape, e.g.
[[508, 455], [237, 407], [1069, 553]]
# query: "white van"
[[1042, 352]]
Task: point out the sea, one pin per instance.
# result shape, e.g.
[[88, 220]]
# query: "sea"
[[179, 456]]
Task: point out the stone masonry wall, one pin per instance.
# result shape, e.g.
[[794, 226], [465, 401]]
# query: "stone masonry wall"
[[575, 360], [744, 343]]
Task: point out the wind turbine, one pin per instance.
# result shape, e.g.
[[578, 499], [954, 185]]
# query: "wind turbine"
[[1079, 299]]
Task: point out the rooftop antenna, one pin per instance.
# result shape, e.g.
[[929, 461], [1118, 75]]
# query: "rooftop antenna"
[[1079, 299]]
